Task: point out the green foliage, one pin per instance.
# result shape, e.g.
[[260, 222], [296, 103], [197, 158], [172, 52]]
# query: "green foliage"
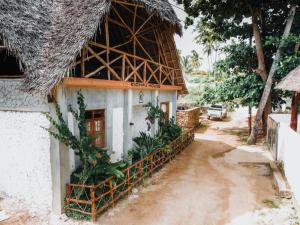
[[153, 113], [230, 19], [191, 64], [222, 21], [290, 56], [167, 132], [144, 145], [207, 37], [95, 162], [233, 80]]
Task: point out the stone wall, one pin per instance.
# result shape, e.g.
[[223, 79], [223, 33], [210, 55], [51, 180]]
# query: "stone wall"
[[188, 118]]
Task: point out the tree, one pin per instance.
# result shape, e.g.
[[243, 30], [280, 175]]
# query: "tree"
[[269, 83], [208, 38], [191, 63], [232, 80], [244, 19]]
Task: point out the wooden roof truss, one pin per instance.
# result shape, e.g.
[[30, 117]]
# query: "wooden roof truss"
[[133, 46]]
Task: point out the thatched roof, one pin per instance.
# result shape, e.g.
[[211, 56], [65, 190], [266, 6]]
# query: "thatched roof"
[[291, 82], [47, 34]]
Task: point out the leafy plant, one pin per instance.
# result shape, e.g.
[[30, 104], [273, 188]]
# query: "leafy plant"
[[154, 112], [167, 132], [144, 145], [95, 164]]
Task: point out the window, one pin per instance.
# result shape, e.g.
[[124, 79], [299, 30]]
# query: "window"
[[95, 125], [165, 107], [9, 64]]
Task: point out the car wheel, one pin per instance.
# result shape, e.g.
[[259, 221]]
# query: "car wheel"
[[208, 117]]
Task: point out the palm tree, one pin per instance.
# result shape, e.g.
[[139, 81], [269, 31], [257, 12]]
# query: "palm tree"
[[208, 38]]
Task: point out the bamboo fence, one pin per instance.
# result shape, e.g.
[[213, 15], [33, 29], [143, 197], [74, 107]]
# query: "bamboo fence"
[[91, 200]]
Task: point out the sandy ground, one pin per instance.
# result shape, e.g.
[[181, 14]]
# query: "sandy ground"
[[216, 181]]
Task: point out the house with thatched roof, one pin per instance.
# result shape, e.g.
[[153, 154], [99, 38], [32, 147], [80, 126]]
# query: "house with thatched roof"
[[120, 54]]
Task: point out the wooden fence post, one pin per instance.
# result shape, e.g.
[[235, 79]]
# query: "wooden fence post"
[[93, 206], [111, 190], [69, 192], [128, 179], [151, 163], [140, 169]]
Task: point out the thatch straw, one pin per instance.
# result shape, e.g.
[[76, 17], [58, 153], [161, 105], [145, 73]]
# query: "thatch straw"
[[291, 82], [47, 34]]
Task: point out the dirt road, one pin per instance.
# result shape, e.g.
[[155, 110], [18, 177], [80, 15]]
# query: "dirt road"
[[208, 184]]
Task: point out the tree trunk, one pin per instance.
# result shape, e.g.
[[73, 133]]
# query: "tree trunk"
[[249, 118], [294, 111], [266, 113], [261, 70], [268, 85]]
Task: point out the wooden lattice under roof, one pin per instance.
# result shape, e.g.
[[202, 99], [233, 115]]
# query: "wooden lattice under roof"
[[132, 45]]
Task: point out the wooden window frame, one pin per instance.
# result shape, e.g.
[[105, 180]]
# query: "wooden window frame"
[[93, 132]]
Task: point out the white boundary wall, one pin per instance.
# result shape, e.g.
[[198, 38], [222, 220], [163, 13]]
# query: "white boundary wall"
[[288, 151], [25, 170]]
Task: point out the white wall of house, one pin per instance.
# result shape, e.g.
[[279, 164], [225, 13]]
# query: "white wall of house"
[[25, 170], [139, 113], [129, 102], [288, 145], [34, 166]]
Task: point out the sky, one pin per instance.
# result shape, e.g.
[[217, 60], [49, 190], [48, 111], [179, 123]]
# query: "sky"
[[186, 43]]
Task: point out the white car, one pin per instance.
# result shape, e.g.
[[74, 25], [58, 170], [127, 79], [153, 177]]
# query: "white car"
[[217, 112]]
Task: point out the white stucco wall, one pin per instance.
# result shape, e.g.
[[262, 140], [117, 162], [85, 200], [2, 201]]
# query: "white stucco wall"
[[118, 134], [288, 145], [25, 171], [118, 131], [139, 113]]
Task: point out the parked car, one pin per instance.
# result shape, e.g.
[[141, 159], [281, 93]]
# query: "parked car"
[[217, 112]]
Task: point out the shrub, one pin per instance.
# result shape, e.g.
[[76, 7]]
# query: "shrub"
[[95, 164], [167, 132], [144, 145]]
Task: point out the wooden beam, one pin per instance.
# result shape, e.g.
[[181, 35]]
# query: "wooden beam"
[[132, 12], [128, 54], [134, 38], [129, 3], [82, 63], [294, 111], [103, 62], [145, 22], [122, 20], [75, 82], [107, 43]]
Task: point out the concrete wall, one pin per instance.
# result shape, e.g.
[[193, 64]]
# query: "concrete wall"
[[288, 145], [131, 102], [25, 170], [109, 100], [35, 166], [13, 99]]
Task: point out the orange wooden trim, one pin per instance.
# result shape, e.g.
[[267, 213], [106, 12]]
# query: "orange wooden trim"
[[77, 82]]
